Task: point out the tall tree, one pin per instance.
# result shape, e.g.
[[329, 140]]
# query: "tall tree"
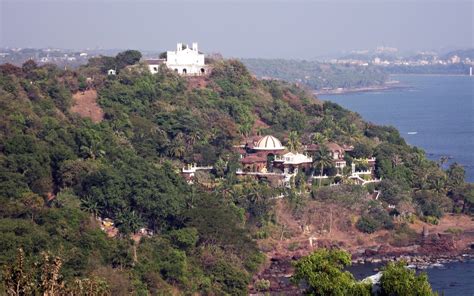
[[321, 159], [294, 143]]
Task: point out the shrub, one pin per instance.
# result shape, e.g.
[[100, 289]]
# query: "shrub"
[[293, 246], [431, 220], [262, 285], [367, 224], [184, 238], [404, 236], [455, 231]]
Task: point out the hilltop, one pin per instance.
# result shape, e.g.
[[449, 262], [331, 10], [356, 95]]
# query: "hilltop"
[[63, 173]]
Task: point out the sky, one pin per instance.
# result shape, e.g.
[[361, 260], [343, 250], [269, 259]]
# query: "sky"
[[258, 28]]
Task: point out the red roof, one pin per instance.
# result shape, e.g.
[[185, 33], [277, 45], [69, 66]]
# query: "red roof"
[[334, 146]]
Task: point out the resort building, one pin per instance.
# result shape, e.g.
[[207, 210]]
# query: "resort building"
[[266, 158], [291, 162], [258, 156]]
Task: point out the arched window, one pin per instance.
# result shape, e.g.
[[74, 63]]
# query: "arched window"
[[203, 71], [185, 71]]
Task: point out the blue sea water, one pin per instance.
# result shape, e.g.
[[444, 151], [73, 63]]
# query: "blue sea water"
[[451, 279], [435, 113]]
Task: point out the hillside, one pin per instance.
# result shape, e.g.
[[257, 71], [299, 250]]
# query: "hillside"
[[65, 174], [317, 75]]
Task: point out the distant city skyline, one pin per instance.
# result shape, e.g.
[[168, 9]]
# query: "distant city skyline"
[[298, 29]]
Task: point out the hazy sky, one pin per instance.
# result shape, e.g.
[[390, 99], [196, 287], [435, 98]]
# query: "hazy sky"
[[259, 28]]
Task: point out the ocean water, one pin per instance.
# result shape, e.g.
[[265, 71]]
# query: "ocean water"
[[451, 279], [435, 113]]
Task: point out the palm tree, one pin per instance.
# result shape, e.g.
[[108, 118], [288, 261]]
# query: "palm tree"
[[322, 158], [90, 206], [178, 147], [193, 137], [129, 221], [294, 143], [318, 138]]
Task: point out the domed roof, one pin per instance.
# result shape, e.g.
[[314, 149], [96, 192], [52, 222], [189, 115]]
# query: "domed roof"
[[268, 143]]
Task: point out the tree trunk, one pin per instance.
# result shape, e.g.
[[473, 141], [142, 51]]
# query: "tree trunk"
[[321, 175]]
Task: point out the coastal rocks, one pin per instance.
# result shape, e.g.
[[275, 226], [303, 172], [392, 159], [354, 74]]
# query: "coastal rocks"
[[278, 274], [438, 243]]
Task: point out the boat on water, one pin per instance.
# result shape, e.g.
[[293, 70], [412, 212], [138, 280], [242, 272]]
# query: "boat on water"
[[412, 133]]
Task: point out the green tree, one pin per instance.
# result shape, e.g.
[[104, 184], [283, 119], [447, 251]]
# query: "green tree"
[[456, 175], [323, 272], [128, 57], [294, 143], [82, 84], [321, 159], [318, 138], [398, 280]]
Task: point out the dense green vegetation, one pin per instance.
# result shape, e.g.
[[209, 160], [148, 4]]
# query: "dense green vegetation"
[[317, 75], [59, 172]]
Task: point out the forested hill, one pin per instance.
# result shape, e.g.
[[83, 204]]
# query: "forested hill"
[[60, 172], [317, 75]]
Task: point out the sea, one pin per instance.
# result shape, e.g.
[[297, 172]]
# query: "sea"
[[450, 279], [433, 112]]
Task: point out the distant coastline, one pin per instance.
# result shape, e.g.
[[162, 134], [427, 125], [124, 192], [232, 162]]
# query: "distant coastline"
[[389, 85]]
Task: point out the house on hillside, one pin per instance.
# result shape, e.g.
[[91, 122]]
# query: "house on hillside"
[[184, 60], [336, 152], [259, 156]]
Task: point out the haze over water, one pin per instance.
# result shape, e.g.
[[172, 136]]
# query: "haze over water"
[[435, 113]]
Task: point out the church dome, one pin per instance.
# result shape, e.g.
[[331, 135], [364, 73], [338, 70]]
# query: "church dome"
[[268, 143]]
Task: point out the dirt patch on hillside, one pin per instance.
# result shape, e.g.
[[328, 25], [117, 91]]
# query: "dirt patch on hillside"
[[326, 225], [85, 104], [197, 82]]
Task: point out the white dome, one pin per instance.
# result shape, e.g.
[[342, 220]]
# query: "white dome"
[[268, 143]]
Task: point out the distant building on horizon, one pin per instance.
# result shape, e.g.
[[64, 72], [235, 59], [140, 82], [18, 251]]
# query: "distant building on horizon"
[[185, 61]]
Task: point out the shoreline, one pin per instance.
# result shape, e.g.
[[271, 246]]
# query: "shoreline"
[[417, 261], [429, 74], [391, 85]]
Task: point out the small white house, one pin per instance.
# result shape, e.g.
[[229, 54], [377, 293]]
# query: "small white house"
[[154, 64], [111, 72]]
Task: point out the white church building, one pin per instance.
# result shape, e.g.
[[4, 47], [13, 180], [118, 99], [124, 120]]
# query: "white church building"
[[185, 61]]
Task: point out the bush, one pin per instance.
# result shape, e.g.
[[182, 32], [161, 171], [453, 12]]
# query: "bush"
[[367, 224], [375, 219], [184, 238], [404, 236], [431, 220], [262, 285]]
